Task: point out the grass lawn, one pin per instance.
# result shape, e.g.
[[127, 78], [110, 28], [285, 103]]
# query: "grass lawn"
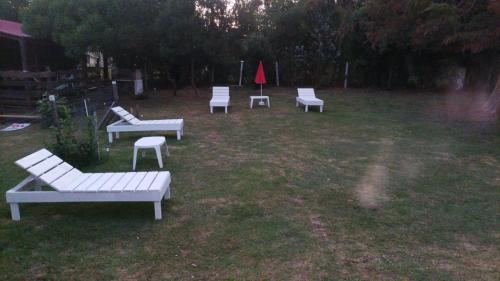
[[379, 186]]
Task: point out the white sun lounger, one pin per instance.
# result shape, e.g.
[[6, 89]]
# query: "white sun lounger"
[[308, 98], [129, 123], [220, 98], [71, 185]]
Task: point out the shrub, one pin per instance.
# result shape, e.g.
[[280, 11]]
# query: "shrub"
[[47, 112], [77, 149]]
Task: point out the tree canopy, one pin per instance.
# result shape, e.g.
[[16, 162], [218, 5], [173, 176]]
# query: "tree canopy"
[[387, 42]]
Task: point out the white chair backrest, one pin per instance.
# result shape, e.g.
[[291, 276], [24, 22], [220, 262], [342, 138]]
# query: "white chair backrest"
[[125, 115], [306, 92], [46, 166], [220, 92]]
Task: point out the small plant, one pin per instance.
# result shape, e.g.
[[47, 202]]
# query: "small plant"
[[78, 150], [47, 112], [77, 147]]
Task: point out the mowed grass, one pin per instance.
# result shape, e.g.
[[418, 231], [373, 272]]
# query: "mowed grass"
[[379, 186]]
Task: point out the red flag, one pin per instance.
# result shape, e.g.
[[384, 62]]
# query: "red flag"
[[260, 77]]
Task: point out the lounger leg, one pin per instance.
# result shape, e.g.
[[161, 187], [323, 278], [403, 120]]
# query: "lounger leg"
[[211, 109], [158, 155], [14, 211], [166, 149], [226, 109], [320, 108], [296, 104], [157, 210], [167, 194], [268, 103], [135, 158], [110, 137], [178, 135], [117, 135], [307, 108]]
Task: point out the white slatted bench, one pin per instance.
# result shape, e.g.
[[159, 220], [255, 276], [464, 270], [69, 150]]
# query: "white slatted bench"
[[71, 185], [220, 98], [307, 97], [129, 123]]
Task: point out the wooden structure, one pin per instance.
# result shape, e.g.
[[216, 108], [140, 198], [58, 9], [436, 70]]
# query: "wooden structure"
[[19, 91], [20, 51]]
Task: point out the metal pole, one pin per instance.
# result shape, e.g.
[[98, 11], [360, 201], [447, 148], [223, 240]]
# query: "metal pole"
[[346, 74], [277, 75], [241, 71], [52, 101], [261, 90], [96, 136], [86, 108]]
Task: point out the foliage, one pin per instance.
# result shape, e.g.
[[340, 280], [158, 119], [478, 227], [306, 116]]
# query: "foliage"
[[47, 112], [77, 149], [9, 9], [387, 42]]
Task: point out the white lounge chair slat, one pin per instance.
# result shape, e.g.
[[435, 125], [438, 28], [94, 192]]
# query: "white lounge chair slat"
[[100, 182], [71, 185], [66, 182], [45, 166], [120, 185], [34, 158], [135, 181], [56, 173], [136, 125], [82, 187], [111, 182], [146, 182], [161, 179]]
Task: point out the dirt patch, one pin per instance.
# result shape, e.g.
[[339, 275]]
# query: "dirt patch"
[[318, 227], [371, 191], [216, 202]]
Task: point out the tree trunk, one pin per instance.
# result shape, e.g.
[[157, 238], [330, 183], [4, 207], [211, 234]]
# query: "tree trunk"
[[172, 81], [145, 78], [212, 74], [83, 63], [106, 66], [389, 78], [193, 82]]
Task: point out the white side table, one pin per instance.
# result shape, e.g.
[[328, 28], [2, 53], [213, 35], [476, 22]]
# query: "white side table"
[[150, 142], [266, 98]]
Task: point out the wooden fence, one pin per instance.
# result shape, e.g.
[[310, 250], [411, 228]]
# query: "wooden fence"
[[19, 91]]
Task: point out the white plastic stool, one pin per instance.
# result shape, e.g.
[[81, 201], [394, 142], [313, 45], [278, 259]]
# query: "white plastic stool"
[[150, 142]]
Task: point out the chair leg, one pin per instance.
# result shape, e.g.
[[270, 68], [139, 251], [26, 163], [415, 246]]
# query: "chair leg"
[[307, 108], [135, 159], [226, 109], [14, 211], [178, 135], [268, 103], [167, 194], [158, 155], [321, 108], [211, 109], [166, 149], [157, 210], [110, 137]]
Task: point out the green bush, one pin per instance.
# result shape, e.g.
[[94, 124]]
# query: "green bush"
[[77, 147], [47, 112], [78, 150]]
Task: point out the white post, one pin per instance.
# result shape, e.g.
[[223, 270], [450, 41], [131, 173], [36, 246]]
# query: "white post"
[[277, 75], [86, 108], [241, 71], [346, 74]]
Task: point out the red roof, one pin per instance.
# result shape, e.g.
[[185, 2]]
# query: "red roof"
[[12, 28]]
